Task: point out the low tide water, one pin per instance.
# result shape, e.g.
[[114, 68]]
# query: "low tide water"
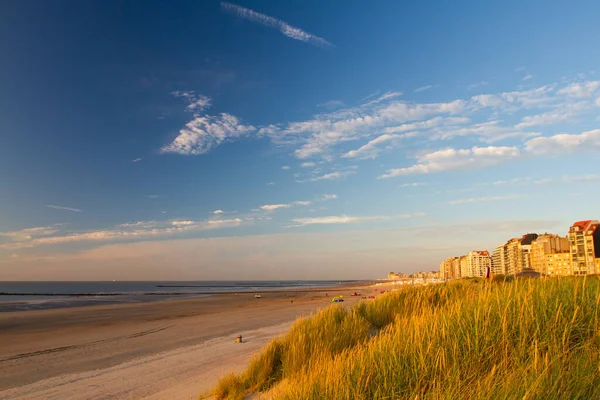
[[23, 296]]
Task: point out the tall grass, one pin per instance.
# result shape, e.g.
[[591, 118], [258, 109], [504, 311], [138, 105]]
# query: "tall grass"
[[531, 339]]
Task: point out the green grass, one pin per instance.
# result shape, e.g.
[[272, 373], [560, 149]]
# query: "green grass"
[[528, 338]]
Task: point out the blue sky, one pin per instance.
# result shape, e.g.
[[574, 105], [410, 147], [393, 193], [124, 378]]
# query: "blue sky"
[[289, 140]]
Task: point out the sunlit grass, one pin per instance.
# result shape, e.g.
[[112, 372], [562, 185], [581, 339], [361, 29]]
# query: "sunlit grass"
[[532, 339]]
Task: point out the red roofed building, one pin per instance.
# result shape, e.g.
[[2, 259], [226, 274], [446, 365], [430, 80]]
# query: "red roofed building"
[[584, 241]]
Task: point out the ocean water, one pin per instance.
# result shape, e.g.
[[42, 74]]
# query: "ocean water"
[[23, 296]]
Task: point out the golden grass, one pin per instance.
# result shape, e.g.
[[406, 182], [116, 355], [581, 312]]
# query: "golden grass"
[[530, 339]]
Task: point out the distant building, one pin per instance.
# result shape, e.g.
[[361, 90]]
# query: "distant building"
[[456, 267], [550, 255], [584, 240], [446, 270], [498, 261], [514, 256], [394, 276], [464, 266], [478, 263]]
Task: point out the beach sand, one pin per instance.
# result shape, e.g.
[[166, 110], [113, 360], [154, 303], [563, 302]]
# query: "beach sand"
[[174, 349]]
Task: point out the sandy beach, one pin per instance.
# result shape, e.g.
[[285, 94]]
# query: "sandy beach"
[[172, 349]]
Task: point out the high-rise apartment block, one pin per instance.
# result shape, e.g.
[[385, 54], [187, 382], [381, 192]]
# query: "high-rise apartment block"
[[446, 268], [584, 239], [498, 261], [478, 263], [550, 255], [547, 254]]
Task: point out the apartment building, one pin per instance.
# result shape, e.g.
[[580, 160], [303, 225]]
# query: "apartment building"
[[498, 261], [446, 270], [478, 263], [456, 267], [584, 240], [550, 255]]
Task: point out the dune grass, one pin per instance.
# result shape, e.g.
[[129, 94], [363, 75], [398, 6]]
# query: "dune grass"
[[530, 338]]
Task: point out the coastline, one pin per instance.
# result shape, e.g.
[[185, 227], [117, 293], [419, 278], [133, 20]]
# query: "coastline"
[[72, 352]]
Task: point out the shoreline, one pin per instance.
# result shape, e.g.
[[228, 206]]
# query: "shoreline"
[[48, 352], [51, 301]]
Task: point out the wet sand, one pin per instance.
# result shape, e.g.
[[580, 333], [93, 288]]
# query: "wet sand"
[[173, 349]]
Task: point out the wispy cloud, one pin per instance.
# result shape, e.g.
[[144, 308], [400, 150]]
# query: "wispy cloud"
[[527, 77], [218, 212], [136, 160], [332, 104], [424, 88], [283, 27], [329, 196], [332, 175], [307, 164], [452, 159], [371, 149], [196, 103], [272, 207], [204, 133], [64, 208], [565, 143], [30, 233], [285, 167], [130, 231], [413, 184], [486, 198], [476, 85], [345, 219]]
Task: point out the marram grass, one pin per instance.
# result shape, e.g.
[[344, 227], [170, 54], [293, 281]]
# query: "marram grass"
[[526, 339]]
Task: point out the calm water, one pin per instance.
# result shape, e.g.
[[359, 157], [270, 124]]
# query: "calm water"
[[22, 296]]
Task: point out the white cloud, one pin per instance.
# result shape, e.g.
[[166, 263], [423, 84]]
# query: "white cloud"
[[286, 29], [136, 160], [452, 159], [413, 184], [581, 90], [424, 88], [285, 167], [139, 224], [218, 212], [476, 85], [560, 114], [203, 133], [182, 223], [370, 150], [196, 103], [307, 164], [543, 181], [333, 175], [527, 77], [565, 143], [64, 208], [329, 196], [332, 104], [325, 131], [485, 199], [30, 233], [142, 231], [598, 101], [272, 207], [584, 178], [345, 219]]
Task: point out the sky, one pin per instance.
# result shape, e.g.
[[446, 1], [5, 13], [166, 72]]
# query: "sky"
[[289, 140]]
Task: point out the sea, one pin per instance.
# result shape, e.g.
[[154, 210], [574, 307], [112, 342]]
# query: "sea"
[[25, 296]]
